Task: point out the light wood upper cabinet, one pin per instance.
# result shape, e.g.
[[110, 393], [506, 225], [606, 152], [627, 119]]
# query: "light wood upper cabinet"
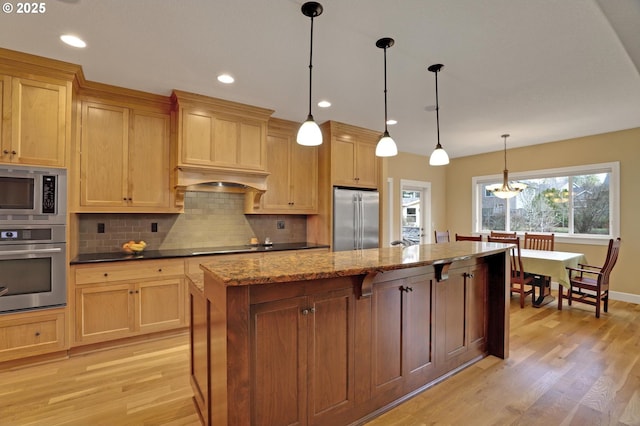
[[292, 184], [353, 155], [124, 158], [216, 133], [35, 121]]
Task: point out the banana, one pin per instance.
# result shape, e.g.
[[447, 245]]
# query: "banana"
[[137, 246]]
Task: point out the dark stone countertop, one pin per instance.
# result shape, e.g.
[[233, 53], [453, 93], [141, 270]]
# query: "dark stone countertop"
[[199, 251]]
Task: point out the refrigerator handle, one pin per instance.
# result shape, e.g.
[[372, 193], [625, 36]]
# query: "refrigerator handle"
[[361, 222], [356, 219]]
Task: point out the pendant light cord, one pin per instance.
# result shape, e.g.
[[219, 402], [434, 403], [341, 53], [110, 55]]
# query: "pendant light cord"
[[437, 112], [385, 90], [310, 64]]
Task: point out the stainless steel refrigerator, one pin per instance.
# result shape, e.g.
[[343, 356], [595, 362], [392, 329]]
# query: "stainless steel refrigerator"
[[355, 219]]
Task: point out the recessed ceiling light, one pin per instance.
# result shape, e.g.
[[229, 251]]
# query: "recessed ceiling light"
[[391, 122], [72, 40], [226, 79], [324, 104]]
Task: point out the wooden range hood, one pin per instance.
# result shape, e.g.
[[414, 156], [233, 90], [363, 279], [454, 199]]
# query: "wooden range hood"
[[206, 179]]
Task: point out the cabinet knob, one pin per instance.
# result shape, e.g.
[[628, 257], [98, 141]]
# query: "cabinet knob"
[[106, 274], [468, 275], [130, 291], [124, 198], [6, 151], [305, 312], [312, 310], [37, 333], [160, 270]]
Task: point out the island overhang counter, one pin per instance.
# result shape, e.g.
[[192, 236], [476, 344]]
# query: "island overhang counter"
[[338, 338]]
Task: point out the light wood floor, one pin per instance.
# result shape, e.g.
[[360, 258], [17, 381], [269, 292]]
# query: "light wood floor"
[[565, 368]]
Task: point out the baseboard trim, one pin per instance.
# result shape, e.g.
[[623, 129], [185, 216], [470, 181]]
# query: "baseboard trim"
[[614, 295]]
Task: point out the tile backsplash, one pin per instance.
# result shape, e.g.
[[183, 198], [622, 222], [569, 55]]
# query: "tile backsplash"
[[210, 219]]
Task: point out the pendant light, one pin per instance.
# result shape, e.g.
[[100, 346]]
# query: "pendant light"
[[386, 146], [506, 190], [439, 156], [309, 133]]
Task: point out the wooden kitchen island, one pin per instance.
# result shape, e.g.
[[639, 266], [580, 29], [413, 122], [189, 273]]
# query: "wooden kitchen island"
[[338, 338]]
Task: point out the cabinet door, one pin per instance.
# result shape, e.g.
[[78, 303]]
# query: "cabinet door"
[[331, 357], [451, 315], [279, 358], [197, 134], [38, 122], [251, 145], [304, 178], [5, 119], [418, 344], [343, 158], [277, 196], [148, 174], [386, 335], [477, 296], [104, 312], [104, 155], [160, 305], [366, 164]]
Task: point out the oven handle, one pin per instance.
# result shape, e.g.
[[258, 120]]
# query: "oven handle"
[[19, 252]]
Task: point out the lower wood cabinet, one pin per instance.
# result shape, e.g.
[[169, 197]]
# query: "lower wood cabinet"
[[33, 333], [127, 299], [303, 347], [461, 324], [401, 333], [334, 351]]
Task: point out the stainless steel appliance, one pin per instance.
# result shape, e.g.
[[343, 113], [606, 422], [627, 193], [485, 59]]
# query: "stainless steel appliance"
[[32, 267], [32, 195], [355, 219]]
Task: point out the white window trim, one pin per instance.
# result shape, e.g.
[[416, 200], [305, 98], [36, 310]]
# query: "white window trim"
[[614, 197], [426, 188]]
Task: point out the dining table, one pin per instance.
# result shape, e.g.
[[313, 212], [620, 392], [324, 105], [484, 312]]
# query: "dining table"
[[549, 266]]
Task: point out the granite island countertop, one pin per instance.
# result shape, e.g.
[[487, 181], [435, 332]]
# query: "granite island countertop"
[[199, 251], [310, 266]]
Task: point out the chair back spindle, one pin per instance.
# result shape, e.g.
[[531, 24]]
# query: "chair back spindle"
[[539, 241]]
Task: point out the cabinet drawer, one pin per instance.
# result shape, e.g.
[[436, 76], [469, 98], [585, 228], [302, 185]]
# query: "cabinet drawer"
[[26, 335], [127, 271]]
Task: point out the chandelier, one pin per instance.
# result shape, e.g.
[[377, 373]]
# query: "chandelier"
[[506, 190]]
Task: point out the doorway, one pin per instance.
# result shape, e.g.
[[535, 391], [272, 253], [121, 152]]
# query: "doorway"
[[415, 216]]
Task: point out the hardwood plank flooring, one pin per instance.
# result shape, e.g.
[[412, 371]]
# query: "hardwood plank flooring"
[[566, 368]]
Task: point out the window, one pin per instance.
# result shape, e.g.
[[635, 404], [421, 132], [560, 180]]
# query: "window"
[[577, 203]]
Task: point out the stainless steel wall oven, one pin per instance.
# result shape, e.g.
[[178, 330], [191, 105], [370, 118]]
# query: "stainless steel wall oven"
[[33, 255]]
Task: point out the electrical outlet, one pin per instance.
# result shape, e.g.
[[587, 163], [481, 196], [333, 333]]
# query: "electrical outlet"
[[280, 224], [154, 227], [101, 228]]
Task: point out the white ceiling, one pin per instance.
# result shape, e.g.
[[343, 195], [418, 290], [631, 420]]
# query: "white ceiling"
[[541, 70]]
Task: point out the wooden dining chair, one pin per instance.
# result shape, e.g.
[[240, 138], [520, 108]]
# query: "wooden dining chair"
[[590, 284], [495, 234], [521, 283], [442, 236], [468, 237], [539, 241]]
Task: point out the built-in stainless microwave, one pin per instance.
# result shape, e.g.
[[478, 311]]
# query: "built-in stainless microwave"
[[32, 195]]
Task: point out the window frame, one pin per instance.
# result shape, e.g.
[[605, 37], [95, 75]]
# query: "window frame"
[[614, 198]]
